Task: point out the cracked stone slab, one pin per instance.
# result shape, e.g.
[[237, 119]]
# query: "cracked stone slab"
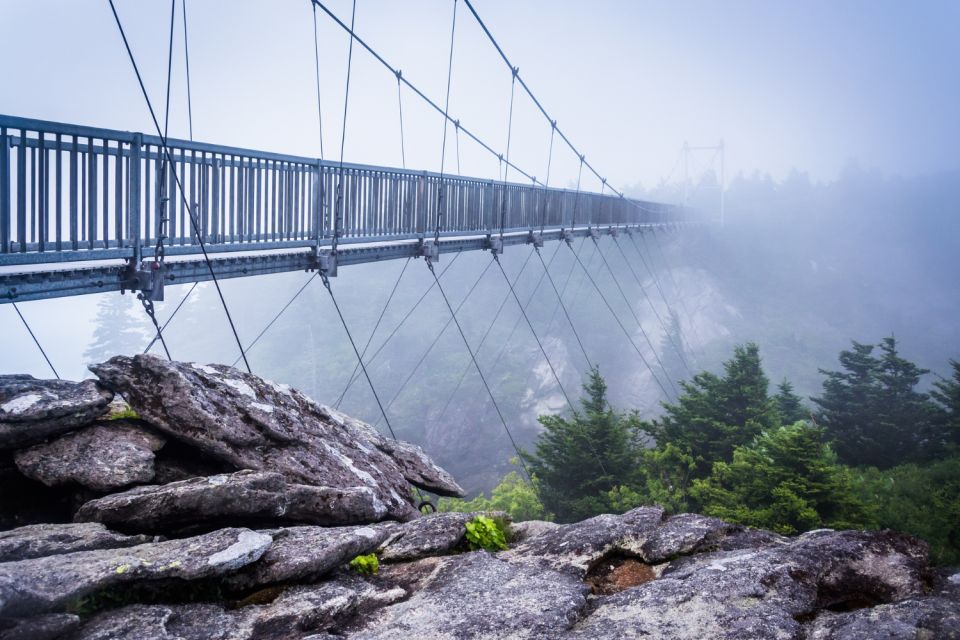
[[481, 595], [104, 457], [244, 497], [307, 553], [297, 612], [51, 626], [252, 423], [32, 410], [42, 585], [39, 540], [429, 535]]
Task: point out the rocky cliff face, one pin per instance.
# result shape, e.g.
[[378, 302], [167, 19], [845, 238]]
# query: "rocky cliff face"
[[231, 507]]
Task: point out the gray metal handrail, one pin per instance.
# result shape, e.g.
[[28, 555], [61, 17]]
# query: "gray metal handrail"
[[70, 192]]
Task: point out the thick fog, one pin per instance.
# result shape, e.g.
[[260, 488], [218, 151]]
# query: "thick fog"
[[842, 202]]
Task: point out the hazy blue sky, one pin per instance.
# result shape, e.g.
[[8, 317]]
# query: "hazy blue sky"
[[811, 85], [808, 84]]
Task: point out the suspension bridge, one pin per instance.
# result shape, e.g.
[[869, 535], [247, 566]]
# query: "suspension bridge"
[[87, 210]]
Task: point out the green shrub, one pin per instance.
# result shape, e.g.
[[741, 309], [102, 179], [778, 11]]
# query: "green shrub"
[[485, 533], [366, 564], [125, 414]]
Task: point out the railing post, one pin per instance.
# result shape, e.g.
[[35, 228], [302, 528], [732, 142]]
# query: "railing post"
[[133, 198], [4, 191]]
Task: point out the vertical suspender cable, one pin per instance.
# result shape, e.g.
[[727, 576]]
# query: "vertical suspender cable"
[[316, 63], [35, 341], [546, 184], [506, 170], [193, 221], [446, 118], [403, 152], [338, 214]]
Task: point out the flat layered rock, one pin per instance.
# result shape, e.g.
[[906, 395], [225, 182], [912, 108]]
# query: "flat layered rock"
[[104, 457], [416, 466], [243, 497], [307, 553], [763, 593], [251, 423], [431, 535], [39, 540], [33, 410], [480, 595], [934, 618], [42, 585], [46, 627], [297, 612]]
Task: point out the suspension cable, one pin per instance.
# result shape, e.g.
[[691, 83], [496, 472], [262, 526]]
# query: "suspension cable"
[[170, 319], [564, 307], [166, 151], [414, 88], [483, 379], [316, 61], [576, 198], [653, 307], [436, 339], [446, 119], [483, 338], [35, 341], [403, 152], [620, 324], [676, 289], [186, 56], [546, 183], [338, 212], [383, 311], [276, 317], [646, 337], [506, 170], [403, 320]]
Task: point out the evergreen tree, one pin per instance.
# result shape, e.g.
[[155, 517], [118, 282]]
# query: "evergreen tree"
[[789, 404], [946, 393], [716, 414], [673, 351], [513, 494], [871, 410], [787, 480], [580, 458], [117, 332]]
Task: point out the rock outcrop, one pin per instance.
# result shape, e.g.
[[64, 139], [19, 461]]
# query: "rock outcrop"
[[260, 499], [32, 410]]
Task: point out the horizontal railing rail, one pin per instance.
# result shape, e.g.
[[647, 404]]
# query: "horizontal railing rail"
[[70, 192]]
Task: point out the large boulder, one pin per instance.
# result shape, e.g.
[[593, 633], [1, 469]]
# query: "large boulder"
[[255, 424], [103, 457], [48, 584], [32, 410], [39, 540], [240, 498], [435, 534]]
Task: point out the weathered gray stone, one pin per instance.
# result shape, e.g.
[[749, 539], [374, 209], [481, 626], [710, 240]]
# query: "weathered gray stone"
[[576, 547], [32, 410], [296, 612], [683, 534], [243, 497], [482, 596], [41, 585], [523, 531], [254, 424], [103, 457], [46, 627], [39, 540], [306, 553], [430, 535], [933, 618], [416, 466], [762, 593]]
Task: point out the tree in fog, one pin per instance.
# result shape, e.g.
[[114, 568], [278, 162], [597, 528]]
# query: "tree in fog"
[[789, 404], [116, 331]]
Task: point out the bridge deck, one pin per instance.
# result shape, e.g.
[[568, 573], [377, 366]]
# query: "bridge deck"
[[71, 193]]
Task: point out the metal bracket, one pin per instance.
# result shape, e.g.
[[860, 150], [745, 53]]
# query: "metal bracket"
[[615, 231], [429, 251], [327, 263], [536, 239], [594, 233], [567, 236], [147, 278], [494, 244]]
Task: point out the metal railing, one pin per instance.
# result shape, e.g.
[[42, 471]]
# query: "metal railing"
[[71, 192]]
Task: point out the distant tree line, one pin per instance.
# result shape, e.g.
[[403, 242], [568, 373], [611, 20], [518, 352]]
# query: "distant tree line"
[[871, 451]]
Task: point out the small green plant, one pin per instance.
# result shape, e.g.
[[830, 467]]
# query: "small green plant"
[[365, 564], [485, 533], [126, 413]]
